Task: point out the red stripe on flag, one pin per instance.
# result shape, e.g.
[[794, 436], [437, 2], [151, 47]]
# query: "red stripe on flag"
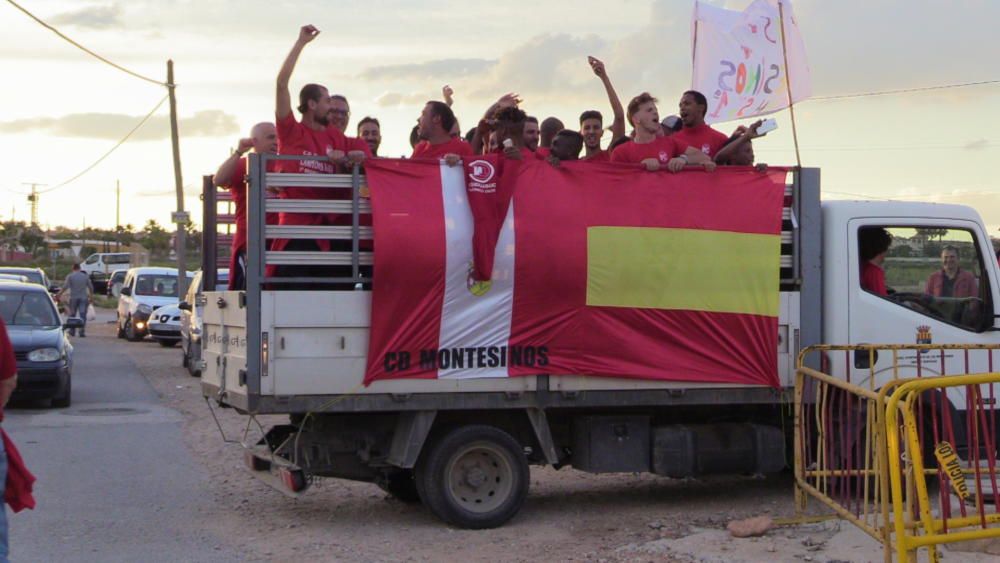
[[408, 288], [551, 223]]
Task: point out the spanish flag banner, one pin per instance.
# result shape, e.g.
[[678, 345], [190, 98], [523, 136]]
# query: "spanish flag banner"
[[597, 269]]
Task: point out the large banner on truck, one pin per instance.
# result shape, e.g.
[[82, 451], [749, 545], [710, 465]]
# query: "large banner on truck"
[[593, 269]]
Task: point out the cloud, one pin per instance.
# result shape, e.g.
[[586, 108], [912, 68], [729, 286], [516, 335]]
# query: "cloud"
[[977, 145], [395, 99], [93, 17], [443, 69], [114, 126]]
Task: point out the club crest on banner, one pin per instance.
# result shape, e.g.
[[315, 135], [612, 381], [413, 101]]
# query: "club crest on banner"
[[481, 176], [475, 287]]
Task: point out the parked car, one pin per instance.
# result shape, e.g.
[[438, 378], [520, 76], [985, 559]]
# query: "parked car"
[[14, 277], [164, 325], [191, 314], [43, 351], [34, 275], [100, 265], [143, 291], [115, 283]]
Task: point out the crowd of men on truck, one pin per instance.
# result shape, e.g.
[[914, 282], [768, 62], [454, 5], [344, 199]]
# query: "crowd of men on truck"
[[672, 144]]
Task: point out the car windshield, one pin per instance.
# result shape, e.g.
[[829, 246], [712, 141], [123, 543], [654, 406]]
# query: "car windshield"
[[27, 308], [159, 285], [34, 276]]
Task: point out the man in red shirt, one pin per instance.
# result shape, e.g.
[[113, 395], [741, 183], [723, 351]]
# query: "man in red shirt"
[[8, 381], [651, 149], [232, 176], [531, 133], [592, 122], [434, 126], [873, 243], [548, 130], [370, 131], [312, 136], [951, 280], [696, 133]]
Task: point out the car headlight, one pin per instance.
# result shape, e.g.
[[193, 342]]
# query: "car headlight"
[[44, 355], [144, 309]]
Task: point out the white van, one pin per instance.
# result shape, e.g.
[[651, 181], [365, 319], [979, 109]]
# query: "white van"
[[100, 265]]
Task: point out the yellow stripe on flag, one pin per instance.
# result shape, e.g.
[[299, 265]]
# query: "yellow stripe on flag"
[[687, 269]]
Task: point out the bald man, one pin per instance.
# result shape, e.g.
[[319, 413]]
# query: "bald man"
[[231, 175]]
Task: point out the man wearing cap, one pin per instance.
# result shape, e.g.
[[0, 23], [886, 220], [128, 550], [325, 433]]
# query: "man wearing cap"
[[696, 133], [670, 125]]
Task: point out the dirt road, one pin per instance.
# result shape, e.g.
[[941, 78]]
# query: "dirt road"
[[569, 516]]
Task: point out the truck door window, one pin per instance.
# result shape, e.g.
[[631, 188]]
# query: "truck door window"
[[938, 272]]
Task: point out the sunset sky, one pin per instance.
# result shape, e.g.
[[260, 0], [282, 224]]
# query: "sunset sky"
[[62, 109]]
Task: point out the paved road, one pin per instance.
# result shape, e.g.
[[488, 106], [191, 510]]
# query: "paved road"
[[115, 481]]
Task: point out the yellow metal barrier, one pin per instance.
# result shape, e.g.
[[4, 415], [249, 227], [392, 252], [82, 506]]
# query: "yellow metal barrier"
[[859, 446]]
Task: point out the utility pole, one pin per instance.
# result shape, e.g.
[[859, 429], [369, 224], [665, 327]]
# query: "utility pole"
[[179, 217], [118, 216], [33, 198]]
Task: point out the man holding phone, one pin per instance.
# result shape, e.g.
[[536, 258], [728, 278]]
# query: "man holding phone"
[[695, 132]]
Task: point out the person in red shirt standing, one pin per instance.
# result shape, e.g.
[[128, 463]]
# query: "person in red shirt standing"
[[651, 149], [696, 133], [8, 381], [370, 131], [339, 117], [312, 136], [592, 122], [232, 175], [434, 127], [873, 243], [531, 133]]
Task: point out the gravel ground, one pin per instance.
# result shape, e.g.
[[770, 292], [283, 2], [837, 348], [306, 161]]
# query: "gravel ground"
[[569, 515]]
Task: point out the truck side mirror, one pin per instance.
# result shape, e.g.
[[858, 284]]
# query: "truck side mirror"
[[126, 291], [184, 306]]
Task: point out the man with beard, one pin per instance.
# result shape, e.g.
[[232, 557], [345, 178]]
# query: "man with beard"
[[592, 122], [339, 117], [649, 147], [696, 133], [434, 127], [370, 131], [531, 133], [312, 136], [232, 176]]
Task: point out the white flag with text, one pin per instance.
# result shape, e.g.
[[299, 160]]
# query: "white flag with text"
[[738, 60]]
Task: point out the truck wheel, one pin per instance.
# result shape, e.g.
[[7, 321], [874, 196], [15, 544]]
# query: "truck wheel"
[[66, 398], [401, 485], [474, 477]]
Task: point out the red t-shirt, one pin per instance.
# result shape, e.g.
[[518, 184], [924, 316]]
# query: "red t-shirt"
[[873, 279], [294, 138], [454, 145], [238, 188], [543, 152], [8, 363], [701, 137], [661, 148], [599, 156]]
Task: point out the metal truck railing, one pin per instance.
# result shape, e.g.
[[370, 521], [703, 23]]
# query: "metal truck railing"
[[909, 460], [349, 198]]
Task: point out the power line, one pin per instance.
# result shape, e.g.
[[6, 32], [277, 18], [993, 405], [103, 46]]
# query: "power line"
[[107, 154], [905, 90], [82, 48]]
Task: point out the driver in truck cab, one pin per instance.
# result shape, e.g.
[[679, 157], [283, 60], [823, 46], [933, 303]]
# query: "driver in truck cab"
[[951, 280]]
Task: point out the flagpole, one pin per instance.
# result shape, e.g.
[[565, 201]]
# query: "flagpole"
[[788, 84]]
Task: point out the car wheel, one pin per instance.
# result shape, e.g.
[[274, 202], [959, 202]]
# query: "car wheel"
[[130, 334], [473, 477], [167, 343], [63, 401]]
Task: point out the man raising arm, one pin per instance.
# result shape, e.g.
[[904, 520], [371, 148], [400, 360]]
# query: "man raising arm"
[[592, 122]]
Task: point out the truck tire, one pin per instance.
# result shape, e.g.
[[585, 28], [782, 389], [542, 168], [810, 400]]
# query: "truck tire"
[[401, 485], [473, 477]]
